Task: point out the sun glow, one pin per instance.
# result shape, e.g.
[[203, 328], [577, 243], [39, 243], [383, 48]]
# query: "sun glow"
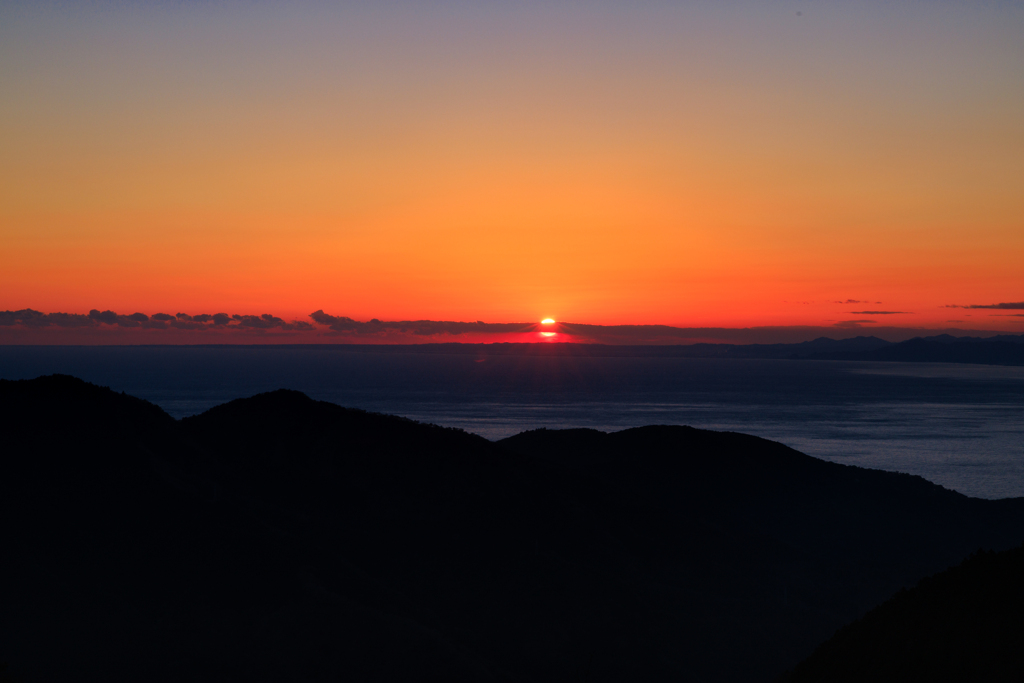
[[547, 321], [547, 334]]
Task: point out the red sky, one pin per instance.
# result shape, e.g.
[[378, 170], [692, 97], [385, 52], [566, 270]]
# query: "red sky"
[[730, 165]]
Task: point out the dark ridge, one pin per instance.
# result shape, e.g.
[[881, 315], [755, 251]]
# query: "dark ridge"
[[281, 538], [964, 624], [782, 515]]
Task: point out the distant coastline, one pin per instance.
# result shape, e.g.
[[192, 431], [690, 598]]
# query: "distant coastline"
[[997, 350]]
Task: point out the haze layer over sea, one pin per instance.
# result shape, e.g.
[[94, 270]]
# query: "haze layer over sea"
[[961, 426]]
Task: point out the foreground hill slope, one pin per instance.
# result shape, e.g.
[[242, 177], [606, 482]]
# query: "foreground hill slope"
[[964, 624], [281, 538], [132, 553], [765, 530]]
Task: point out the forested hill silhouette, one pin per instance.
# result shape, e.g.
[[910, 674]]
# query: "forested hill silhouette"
[[963, 624], [281, 538]]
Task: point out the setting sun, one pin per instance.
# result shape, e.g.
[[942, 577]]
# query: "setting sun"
[[547, 321]]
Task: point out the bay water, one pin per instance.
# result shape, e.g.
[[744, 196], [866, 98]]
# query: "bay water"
[[960, 426]]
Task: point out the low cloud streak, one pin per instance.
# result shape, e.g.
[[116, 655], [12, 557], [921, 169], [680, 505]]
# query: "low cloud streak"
[[882, 312], [420, 328], [1012, 306], [852, 323], [96, 318]]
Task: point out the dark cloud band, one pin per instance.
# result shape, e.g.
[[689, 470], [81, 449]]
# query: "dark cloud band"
[[424, 328], [28, 317], [1013, 306]]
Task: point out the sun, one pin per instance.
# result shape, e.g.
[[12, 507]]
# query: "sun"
[[547, 321]]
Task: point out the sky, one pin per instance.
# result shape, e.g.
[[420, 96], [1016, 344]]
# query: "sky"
[[689, 164]]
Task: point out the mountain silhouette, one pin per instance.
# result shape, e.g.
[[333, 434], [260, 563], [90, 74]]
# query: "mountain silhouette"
[[281, 538], [963, 624], [999, 350]]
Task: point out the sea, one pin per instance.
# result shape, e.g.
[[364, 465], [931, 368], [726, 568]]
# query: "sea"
[[960, 426]]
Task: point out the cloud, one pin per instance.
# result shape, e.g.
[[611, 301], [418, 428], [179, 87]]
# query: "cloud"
[[26, 316], [254, 323], [106, 317], [424, 328], [69, 320], [268, 321], [882, 312], [30, 318], [856, 301], [1019, 305], [338, 323], [259, 322], [852, 323], [134, 320], [8, 318]]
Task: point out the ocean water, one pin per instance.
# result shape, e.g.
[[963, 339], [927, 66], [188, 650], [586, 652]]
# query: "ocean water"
[[961, 426]]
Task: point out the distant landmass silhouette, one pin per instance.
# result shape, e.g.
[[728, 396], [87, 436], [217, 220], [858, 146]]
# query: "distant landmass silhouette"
[[998, 350], [281, 538]]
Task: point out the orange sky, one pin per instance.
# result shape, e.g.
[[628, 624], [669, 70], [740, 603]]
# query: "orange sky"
[[731, 165]]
